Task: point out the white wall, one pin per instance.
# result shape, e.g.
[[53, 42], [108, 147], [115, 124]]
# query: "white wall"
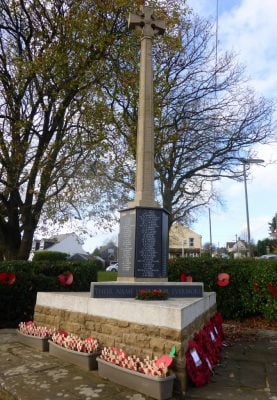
[[69, 245]]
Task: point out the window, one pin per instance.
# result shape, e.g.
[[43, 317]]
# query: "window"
[[191, 242]]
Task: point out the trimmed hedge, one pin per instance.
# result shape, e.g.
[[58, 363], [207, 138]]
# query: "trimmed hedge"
[[248, 293], [18, 300], [44, 255]]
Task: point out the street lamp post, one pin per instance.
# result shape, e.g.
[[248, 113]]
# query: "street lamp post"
[[246, 161]]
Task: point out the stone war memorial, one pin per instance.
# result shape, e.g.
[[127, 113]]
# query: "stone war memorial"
[[110, 311]]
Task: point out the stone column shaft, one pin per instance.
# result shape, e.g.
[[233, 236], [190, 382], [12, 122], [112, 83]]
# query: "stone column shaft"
[[145, 135]]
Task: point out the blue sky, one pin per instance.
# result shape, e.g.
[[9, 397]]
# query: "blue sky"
[[248, 27]]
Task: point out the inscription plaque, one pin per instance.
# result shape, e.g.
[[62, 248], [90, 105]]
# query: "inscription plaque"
[[164, 243], [148, 243], [143, 243], [126, 239], [130, 291]]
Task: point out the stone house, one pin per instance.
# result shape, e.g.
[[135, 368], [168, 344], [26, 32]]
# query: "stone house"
[[238, 248], [184, 242], [109, 253]]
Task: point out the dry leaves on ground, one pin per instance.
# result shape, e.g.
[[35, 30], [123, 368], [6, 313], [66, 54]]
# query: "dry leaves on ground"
[[247, 329]]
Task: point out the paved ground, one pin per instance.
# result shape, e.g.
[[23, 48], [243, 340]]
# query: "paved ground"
[[248, 371]]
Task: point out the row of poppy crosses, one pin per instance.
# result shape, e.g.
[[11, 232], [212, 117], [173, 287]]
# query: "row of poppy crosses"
[[67, 279]]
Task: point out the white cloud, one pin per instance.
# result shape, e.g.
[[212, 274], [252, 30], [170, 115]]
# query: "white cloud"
[[250, 29]]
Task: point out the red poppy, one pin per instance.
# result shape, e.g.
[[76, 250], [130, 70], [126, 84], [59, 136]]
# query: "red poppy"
[[89, 339], [185, 278], [119, 352], [63, 332], [156, 291], [165, 360], [272, 289], [223, 279], [66, 279], [7, 277]]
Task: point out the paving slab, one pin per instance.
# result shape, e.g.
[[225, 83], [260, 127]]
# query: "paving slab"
[[26, 373], [247, 371]]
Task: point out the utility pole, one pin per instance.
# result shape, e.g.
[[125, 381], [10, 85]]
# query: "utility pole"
[[210, 227], [244, 162]]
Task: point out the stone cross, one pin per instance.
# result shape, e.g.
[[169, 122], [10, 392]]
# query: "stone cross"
[[149, 27]]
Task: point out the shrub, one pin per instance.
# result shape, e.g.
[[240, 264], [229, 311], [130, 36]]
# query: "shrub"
[[44, 255], [247, 294], [18, 300]]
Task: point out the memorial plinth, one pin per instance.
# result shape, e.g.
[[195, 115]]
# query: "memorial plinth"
[[144, 328], [143, 244]]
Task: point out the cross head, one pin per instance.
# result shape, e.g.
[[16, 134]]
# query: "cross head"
[[146, 22]]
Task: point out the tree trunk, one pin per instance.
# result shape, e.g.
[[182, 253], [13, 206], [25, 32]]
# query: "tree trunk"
[[26, 243], [12, 243]]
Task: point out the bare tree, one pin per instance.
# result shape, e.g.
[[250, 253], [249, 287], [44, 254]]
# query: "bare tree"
[[206, 118]]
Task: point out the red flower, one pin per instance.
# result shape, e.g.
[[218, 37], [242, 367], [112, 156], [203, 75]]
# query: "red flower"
[[272, 289], [165, 360], [29, 323], [7, 277], [66, 279], [185, 278], [156, 291], [63, 332], [89, 339], [223, 279], [142, 291]]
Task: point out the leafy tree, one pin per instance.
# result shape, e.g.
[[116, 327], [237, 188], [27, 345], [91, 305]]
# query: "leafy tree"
[[51, 66], [273, 227], [264, 245], [207, 247]]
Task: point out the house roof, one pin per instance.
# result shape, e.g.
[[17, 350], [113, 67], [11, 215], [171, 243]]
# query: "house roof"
[[59, 237]]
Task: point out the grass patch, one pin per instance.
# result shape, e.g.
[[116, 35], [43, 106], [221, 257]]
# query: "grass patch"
[[104, 276]]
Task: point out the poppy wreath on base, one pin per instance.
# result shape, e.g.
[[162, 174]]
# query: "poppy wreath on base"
[[214, 335], [217, 320], [196, 364], [211, 340], [203, 341]]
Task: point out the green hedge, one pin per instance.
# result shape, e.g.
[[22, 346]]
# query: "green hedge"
[[44, 255], [18, 300], [247, 293]]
